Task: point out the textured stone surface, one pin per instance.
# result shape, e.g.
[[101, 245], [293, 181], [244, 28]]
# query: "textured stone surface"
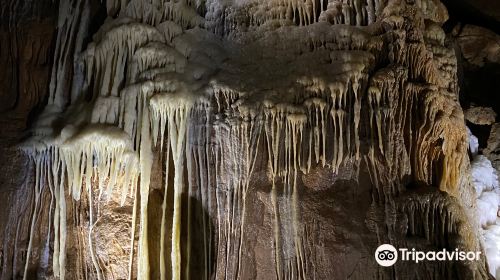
[[479, 53], [297, 137], [480, 115], [479, 45], [492, 150], [26, 33]]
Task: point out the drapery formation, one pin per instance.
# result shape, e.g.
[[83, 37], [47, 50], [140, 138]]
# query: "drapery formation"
[[214, 91]]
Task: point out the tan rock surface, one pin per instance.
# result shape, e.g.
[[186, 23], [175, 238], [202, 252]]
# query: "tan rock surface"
[[274, 140], [492, 151], [480, 115], [479, 45]]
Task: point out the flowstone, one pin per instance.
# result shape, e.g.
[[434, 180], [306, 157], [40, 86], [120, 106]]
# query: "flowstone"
[[204, 121]]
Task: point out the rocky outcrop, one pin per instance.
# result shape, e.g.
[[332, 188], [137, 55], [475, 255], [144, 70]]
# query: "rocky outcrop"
[[479, 45], [480, 115], [477, 49]]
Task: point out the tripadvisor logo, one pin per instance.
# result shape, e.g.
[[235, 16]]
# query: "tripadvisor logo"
[[387, 255]]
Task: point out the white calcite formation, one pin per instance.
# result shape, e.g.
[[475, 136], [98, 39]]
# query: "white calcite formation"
[[486, 183], [207, 88]]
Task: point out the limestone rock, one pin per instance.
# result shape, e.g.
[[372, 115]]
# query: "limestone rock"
[[480, 115], [479, 45], [246, 139], [492, 150]]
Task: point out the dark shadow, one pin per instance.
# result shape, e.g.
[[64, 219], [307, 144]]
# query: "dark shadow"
[[197, 228], [199, 231], [463, 11]]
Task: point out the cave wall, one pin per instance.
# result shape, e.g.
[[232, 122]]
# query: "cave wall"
[[27, 30], [306, 135]]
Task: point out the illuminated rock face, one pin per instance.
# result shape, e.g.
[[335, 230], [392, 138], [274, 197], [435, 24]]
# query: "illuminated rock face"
[[250, 140]]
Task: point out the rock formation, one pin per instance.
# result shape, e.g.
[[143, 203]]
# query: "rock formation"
[[480, 115], [247, 139]]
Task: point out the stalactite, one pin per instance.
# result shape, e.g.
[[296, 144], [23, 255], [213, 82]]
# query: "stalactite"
[[90, 240], [303, 84], [164, 208], [146, 161], [111, 149], [59, 255], [182, 13], [73, 24], [173, 110], [249, 142], [39, 168], [132, 234], [289, 121]]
